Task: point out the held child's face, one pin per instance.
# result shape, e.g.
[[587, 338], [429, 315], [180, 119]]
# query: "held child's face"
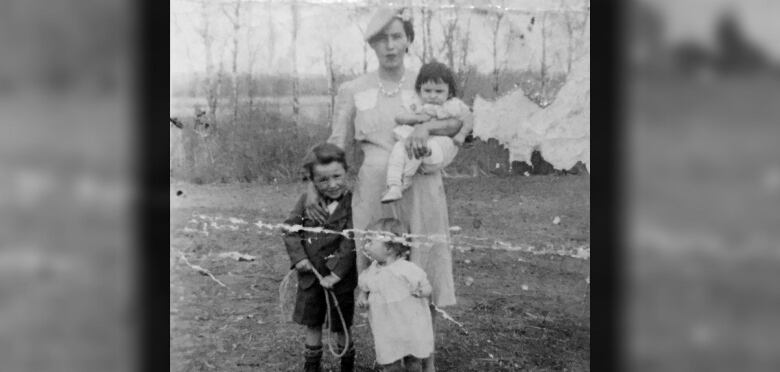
[[434, 92], [377, 250], [329, 179]]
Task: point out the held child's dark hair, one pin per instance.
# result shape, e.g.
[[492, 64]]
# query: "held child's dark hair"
[[395, 228], [436, 72], [324, 153]]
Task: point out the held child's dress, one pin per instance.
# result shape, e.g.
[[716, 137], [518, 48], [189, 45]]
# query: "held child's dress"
[[400, 323]]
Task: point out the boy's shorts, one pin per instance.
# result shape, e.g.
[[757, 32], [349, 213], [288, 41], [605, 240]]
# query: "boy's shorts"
[[310, 308]]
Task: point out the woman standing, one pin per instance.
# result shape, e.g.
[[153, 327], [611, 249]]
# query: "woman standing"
[[366, 108]]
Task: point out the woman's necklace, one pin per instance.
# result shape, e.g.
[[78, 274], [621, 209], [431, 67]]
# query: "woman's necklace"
[[390, 93]]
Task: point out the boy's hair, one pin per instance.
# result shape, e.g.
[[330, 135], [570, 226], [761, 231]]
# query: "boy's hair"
[[438, 73], [324, 153], [396, 228]]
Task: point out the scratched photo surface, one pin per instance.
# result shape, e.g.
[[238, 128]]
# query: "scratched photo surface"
[[253, 86]]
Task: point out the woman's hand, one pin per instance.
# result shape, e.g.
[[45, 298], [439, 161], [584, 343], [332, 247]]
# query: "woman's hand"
[[416, 142], [312, 207]]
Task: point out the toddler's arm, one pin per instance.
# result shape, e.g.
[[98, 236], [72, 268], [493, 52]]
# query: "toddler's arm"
[[467, 120], [410, 118], [465, 129]]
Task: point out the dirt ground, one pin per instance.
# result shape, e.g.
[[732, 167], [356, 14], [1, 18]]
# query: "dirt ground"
[[702, 251], [520, 311]]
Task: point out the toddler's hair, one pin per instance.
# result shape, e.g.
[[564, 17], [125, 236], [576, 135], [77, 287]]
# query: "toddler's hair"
[[396, 228], [436, 72], [324, 153]]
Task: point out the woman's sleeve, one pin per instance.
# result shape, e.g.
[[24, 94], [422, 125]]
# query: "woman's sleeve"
[[343, 126]]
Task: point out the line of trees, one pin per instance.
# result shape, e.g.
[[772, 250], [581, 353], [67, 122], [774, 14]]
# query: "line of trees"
[[444, 32]]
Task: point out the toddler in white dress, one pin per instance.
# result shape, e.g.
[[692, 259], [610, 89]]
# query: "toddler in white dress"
[[396, 292]]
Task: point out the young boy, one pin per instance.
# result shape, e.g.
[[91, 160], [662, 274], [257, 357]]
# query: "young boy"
[[332, 255], [436, 90]]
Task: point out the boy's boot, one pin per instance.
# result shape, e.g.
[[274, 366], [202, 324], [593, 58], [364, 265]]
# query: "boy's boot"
[[348, 360], [313, 355]]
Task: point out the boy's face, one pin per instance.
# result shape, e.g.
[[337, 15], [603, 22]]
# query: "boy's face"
[[434, 92], [377, 250], [329, 179]]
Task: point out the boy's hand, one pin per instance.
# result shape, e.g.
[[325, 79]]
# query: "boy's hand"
[[329, 281], [312, 207], [304, 265], [362, 300]]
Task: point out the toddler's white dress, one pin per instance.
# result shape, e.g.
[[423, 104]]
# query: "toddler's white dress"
[[400, 323]]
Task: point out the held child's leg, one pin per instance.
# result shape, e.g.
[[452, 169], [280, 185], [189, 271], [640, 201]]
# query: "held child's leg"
[[443, 151], [400, 169], [396, 164], [408, 166]]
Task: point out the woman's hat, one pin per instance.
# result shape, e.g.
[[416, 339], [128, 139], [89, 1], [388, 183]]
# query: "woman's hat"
[[382, 18]]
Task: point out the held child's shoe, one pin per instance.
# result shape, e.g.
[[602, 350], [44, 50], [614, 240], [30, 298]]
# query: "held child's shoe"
[[392, 194], [313, 355]]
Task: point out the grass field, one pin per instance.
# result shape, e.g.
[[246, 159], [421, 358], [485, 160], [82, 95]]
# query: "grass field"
[[703, 249], [520, 311]]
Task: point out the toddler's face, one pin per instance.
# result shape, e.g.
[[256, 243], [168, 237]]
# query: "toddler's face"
[[330, 179], [434, 92], [377, 250]]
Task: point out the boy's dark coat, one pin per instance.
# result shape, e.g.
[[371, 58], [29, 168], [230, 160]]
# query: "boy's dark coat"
[[317, 246]]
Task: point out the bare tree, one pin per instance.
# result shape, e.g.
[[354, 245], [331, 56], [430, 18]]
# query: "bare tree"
[[294, 59], [464, 46], [253, 50], [235, 20], [331, 71], [543, 69], [356, 16], [207, 37], [449, 26], [495, 20], [426, 15], [271, 43]]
